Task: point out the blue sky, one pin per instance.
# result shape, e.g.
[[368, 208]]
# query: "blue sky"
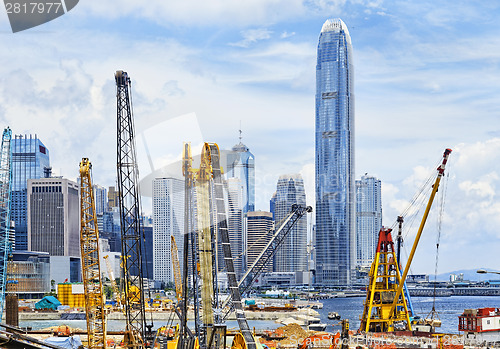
[[427, 77]]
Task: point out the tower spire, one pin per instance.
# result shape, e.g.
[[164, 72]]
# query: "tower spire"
[[240, 131]]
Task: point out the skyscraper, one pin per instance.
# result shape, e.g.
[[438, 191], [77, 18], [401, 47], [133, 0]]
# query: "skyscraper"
[[292, 254], [241, 164], [335, 188], [235, 226], [368, 218], [259, 233], [30, 160], [54, 217], [168, 220]]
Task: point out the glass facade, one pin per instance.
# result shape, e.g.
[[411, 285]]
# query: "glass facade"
[[335, 188], [30, 160], [368, 218], [168, 220], [241, 164], [292, 254]]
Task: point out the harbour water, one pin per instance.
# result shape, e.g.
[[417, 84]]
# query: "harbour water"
[[448, 309]]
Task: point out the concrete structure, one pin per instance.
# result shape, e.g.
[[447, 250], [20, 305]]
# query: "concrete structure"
[[335, 188], [291, 256], [168, 220], [65, 269], [259, 233], [30, 159], [31, 270], [54, 216], [368, 218]]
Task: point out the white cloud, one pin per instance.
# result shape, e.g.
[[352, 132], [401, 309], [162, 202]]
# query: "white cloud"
[[251, 36], [286, 34]]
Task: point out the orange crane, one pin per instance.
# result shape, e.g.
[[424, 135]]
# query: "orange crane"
[[91, 271]]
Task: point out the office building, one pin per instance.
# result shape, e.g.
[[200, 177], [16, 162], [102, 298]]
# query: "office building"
[[335, 187], [168, 220], [54, 216], [30, 159], [291, 256], [235, 227], [241, 164], [368, 218], [259, 233]]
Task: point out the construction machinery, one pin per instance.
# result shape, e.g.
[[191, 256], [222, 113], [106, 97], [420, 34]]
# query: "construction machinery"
[[138, 329], [112, 280], [384, 280], [177, 269], [5, 202], [385, 308], [91, 269]]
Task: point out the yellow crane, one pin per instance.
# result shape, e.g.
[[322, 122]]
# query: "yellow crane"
[[177, 269], [111, 275], [385, 304], [91, 272]]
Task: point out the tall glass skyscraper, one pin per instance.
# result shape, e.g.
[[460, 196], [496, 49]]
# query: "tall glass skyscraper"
[[368, 218], [335, 188], [241, 164], [292, 254], [30, 160]]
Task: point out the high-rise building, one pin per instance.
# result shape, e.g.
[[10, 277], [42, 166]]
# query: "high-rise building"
[[30, 159], [335, 187], [101, 198], [368, 218], [168, 220], [291, 256], [113, 197], [241, 164], [259, 233], [235, 226], [54, 217]]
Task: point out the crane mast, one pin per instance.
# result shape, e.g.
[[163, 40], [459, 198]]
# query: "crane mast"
[[91, 270], [130, 214], [5, 202], [177, 268]]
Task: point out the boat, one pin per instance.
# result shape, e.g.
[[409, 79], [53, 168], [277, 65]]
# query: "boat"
[[480, 326], [333, 315]]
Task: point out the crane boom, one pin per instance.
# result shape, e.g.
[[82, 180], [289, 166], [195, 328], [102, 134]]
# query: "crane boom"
[[91, 270], [111, 275], [5, 201], [177, 268], [130, 214], [435, 187]]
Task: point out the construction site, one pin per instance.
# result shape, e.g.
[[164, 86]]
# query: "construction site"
[[387, 319]]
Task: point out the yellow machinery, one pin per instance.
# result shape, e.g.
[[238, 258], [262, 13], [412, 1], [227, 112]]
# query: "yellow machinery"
[[385, 303], [116, 291], [91, 273], [177, 269], [384, 280]]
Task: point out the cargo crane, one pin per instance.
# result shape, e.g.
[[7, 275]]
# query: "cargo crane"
[[91, 270], [267, 253], [138, 330], [385, 305], [5, 202]]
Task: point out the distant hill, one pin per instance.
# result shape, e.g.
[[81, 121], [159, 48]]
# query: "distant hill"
[[469, 274]]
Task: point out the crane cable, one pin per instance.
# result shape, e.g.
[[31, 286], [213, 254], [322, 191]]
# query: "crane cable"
[[438, 239]]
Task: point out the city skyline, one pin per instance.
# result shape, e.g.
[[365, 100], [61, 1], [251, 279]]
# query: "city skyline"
[[426, 78]]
